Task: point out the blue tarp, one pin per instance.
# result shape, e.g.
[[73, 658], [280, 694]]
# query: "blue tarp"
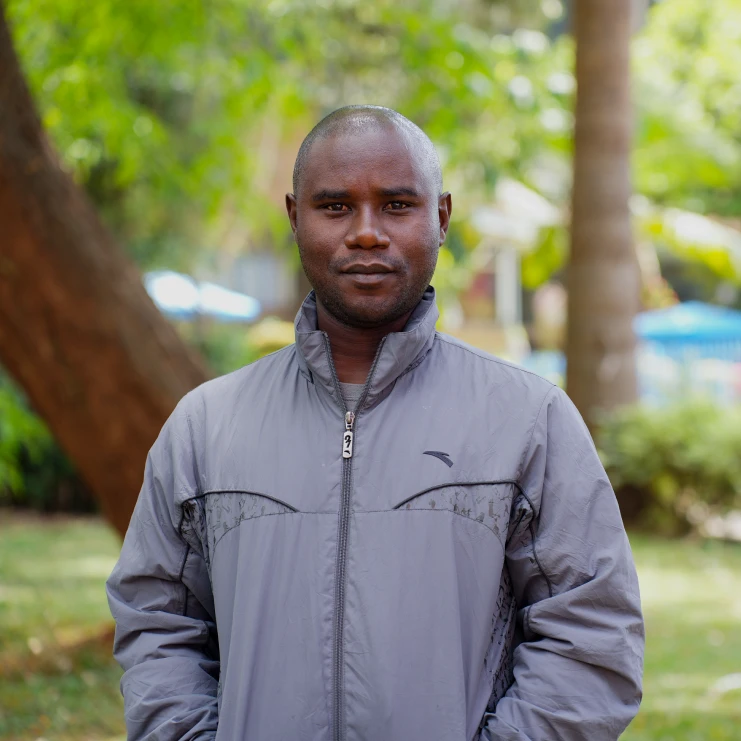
[[690, 348], [689, 322]]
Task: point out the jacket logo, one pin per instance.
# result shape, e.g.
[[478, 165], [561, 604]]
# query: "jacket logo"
[[444, 457]]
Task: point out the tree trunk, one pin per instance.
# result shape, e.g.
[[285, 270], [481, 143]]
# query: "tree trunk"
[[77, 329], [603, 277]]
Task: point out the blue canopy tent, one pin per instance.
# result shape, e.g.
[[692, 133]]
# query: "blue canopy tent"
[[692, 328], [685, 349], [690, 348], [181, 297]]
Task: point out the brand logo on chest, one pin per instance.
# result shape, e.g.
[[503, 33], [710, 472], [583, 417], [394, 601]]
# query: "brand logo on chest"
[[444, 457]]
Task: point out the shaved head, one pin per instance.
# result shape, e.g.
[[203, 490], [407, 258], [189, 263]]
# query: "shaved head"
[[368, 216], [356, 119]]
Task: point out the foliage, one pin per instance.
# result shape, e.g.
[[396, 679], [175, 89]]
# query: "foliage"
[[21, 432], [692, 238], [144, 101], [688, 152], [548, 257], [687, 143], [34, 472], [181, 119], [177, 116], [673, 466], [225, 347], [58, 679]]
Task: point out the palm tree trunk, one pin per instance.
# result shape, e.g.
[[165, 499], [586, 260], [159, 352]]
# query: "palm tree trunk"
[[603, 276], [77, 329]]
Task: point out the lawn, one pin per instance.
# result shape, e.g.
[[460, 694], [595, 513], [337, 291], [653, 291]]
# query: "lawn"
[[58, 681]]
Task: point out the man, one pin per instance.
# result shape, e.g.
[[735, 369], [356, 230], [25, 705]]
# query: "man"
[[378, 533]]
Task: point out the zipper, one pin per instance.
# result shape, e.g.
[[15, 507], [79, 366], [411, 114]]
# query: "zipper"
[[348, 436]]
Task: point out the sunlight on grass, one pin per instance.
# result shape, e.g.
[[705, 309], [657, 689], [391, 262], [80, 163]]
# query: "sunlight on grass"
[[691, 594], [59, 682]]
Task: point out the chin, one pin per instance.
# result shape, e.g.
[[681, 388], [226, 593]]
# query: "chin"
[[369, 312]]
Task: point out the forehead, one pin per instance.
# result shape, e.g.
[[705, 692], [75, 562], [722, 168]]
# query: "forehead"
[[378, 157]]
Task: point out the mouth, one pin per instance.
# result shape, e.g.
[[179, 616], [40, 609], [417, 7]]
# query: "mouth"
[[373, 268], [370, 275]]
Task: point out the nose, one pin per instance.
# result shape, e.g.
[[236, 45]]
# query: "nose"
[[366, 230]]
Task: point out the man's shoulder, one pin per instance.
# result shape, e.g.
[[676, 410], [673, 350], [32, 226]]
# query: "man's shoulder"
[[224, 391], [494, 369]]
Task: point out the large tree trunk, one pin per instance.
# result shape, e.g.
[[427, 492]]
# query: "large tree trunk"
[[77, 329], [603, 277]]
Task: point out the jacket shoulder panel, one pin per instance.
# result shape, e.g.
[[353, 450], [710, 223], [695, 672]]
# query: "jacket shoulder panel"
[[224, 416], [225, 389]]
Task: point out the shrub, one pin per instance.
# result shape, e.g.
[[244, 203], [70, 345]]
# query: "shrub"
[[20, 431], [673, 466], [34, 472]]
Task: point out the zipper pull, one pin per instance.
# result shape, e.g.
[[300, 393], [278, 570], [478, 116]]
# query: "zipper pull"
[[348, 435]]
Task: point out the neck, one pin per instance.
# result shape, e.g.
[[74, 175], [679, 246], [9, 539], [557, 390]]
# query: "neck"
[[354, 348]]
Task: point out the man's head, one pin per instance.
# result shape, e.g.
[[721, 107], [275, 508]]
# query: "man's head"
[[368, 214]]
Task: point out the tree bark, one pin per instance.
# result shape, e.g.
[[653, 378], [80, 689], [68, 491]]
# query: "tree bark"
[[603, 276], [77, 329]]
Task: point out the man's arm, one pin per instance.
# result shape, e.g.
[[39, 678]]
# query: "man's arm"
[[578, 670], [160, 597]]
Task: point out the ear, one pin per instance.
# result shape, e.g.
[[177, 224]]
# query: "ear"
[[444, 209], [291, 209]]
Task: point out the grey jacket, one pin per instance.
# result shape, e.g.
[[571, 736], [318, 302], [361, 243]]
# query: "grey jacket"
[[449, 564]]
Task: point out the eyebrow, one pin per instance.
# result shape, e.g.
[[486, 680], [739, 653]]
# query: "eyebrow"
[[341, 195], [392, 192], [330, 195]]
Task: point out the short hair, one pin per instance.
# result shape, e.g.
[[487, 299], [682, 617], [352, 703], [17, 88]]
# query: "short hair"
[[363, 117]]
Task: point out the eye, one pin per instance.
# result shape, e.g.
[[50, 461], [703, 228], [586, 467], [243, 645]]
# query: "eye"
[[396, 206], [337, 207]]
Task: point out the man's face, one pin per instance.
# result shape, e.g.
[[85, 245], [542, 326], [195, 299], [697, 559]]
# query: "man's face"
[[368, 221]]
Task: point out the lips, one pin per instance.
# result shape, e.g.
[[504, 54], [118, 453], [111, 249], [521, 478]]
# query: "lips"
[[373, 268], [369, 276]]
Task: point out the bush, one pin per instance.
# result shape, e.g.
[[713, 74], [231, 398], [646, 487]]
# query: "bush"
[[674, 466], [34, 472], [21, 431]]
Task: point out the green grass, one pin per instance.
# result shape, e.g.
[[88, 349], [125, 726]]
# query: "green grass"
[[691, 595], [58, 680]]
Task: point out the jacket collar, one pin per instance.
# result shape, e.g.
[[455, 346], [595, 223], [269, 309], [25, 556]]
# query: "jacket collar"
[[398, 353]]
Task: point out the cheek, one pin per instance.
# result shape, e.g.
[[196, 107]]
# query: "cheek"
[[316, 240], [421, 237], [422, 259], [421, 227]]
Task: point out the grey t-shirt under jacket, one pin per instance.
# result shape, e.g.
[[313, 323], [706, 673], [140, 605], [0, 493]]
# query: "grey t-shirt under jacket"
[[351, 393], [445, 562]]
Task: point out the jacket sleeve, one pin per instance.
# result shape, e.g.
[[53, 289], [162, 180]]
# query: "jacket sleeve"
[[160, 597], [579, 663]]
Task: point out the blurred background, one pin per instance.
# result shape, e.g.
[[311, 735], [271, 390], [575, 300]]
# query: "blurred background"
[[145, 151]]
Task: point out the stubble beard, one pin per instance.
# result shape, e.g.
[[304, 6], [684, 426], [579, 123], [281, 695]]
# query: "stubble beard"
[[369, 314]]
